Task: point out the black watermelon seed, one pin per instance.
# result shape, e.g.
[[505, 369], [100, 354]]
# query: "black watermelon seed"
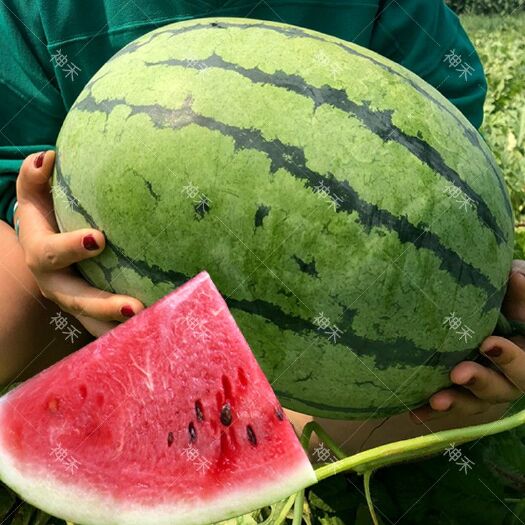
[[252, 438], [192, 432], [226, 415], [198, 411], [170, 439], [279, 413]]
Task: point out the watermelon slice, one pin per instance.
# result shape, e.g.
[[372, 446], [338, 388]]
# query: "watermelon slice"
[[167, 419]]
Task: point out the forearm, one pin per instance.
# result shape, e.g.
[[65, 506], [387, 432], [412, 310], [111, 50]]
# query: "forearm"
[[354, 436], [28, 340]]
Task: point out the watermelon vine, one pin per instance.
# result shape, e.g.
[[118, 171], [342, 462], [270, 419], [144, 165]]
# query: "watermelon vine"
[[406, 450]]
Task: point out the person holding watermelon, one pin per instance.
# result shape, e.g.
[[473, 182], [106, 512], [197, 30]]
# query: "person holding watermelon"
[[56, 48]]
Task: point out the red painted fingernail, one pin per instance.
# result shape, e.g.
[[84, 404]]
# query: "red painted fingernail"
[[39, 160], [494, 352], [89, 243], [127, 311]]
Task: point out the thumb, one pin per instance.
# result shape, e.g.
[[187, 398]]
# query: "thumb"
[[518, 265], [33, 178], [33, 191], [514, 304]]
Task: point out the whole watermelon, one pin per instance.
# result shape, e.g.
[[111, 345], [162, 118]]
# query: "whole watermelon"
[[354, 220]]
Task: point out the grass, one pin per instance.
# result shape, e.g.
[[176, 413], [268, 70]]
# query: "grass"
[[475, 23], [500, 42]]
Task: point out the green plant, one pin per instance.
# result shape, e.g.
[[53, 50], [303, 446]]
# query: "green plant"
[[486, 6], [501, 46]]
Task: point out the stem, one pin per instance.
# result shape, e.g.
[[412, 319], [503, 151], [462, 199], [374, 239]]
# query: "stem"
[[281, 517], [298, 508], [306, 435], [418, 447], [313, 426], [366, 481]]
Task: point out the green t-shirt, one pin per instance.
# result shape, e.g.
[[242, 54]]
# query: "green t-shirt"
[[37, 87]]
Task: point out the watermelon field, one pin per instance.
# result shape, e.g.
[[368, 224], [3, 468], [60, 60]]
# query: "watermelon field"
[[411, 493], [500, 42]]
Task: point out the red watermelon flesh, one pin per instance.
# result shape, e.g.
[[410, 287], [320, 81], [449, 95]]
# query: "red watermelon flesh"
[[167, 419]]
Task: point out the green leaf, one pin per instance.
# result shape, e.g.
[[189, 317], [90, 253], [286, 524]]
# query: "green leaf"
[[41, 518], [363, 516], [246, 519], [7, 503], [280, 511], [23, 515], [333, 500], [505, 458]]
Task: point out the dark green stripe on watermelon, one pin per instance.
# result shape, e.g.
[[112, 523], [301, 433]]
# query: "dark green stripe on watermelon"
[[378, 122], [385, 353], [296, 32], [367, 412], [385, 264], [292, 159]]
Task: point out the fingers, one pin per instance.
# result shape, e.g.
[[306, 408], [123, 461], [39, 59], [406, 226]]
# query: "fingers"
[[56, 251], [45, 249], [94, 326], [33, 192], [76, 296], [518, 265], [33, 178], [49, 255], [460, 401], [508, 358], [457, 401], [479, 387], [514, 304], [484, 383]]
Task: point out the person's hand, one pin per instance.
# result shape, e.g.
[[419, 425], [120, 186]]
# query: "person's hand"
[[479, 387], [50, 255]]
